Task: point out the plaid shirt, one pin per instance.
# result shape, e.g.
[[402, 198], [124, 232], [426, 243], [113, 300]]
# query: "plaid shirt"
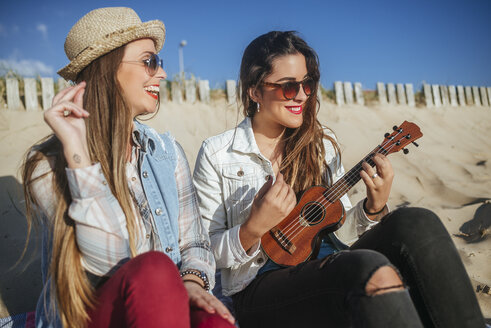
[[101, 230]]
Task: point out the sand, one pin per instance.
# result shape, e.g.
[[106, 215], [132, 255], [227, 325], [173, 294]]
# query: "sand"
[[450, 168]]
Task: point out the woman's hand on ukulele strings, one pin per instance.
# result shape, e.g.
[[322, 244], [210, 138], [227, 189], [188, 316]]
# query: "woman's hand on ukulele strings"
[[378, 181], [271, 205], [66, 119], [199, 298]]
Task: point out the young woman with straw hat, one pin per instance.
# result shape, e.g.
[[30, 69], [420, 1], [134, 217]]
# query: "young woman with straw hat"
[[401, 272], [123, 240]]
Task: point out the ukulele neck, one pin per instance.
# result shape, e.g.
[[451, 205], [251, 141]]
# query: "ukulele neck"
[[351, 178]]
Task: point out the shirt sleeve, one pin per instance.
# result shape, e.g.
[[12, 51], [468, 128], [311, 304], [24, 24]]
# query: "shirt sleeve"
[[101, 230], [100, 223], [194, 242], [225, 241]]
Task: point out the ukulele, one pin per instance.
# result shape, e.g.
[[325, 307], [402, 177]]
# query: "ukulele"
[[320, 209]]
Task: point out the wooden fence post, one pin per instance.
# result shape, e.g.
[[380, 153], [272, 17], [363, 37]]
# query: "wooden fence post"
[[484, 96], [348, 93], [382, 95], [436, 95], [231, 89], [444, 94], [428, 96], [453, 95], [13, 98], [401, 95], [190, 88], [360, 100], [468, 96], [475, 94], [47, 92], [204, 91], [460, 95], [391, 93], [410, 95], [338, 90], [31, 94]]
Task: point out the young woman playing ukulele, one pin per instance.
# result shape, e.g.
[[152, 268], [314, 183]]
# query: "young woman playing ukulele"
[[401, 268]]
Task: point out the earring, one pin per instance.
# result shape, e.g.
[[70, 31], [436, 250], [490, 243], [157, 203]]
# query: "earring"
[[258, 106]]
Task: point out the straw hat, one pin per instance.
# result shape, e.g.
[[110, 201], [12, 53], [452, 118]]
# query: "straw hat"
[[103, 30]]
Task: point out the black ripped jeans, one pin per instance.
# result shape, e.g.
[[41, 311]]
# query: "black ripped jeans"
[[331, 292]]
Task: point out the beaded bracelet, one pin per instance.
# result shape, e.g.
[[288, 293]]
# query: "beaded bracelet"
[[369, 213], [200, 275]]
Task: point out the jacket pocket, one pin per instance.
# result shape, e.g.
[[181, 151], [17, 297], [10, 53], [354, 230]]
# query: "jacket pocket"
[[240, 187]]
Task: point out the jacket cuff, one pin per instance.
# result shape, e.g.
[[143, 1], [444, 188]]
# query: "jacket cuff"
[[86, 182], [238, 251], [363, 215]]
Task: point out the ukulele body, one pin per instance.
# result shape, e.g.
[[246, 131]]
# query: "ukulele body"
[[293, 240]]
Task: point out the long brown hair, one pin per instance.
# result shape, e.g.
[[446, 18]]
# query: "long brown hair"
[[303, 163], [108, 131]]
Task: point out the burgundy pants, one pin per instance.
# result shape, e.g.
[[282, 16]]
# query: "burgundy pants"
[[147, 291]]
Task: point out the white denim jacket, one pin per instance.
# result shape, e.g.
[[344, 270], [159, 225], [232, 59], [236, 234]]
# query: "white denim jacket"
[[229, 171]]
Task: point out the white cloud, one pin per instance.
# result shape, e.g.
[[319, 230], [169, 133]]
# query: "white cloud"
[[43, 29], [26, 67]]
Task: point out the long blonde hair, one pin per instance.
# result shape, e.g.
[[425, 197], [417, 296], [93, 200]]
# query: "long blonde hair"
[[108, 131], [303, 164]]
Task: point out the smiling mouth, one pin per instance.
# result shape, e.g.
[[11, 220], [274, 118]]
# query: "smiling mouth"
[[153, 91], [294, 109]]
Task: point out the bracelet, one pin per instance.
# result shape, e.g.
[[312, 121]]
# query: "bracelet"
[[369, 213], [199, 274]]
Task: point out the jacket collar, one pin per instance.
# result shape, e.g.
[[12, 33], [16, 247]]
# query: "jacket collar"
[[144, 137], [244, 140]]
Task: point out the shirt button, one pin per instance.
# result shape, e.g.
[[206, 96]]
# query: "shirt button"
[[260, 260], [133, 179], [240, 173], [158, 211], [168, 249], [104, 182], [267, 177], [145, 174], [147, 236]]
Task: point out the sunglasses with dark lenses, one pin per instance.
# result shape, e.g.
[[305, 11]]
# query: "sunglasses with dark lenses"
[[291, 89], [152, 64]]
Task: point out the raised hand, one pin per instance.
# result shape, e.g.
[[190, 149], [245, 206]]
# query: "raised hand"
[[199, 298], [66, 118], [271, 205], [378, 181]]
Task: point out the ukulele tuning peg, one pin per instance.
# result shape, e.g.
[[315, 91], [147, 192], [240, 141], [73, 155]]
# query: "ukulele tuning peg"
[[395, 128], [414, 143], [387, 134], [405, 150]]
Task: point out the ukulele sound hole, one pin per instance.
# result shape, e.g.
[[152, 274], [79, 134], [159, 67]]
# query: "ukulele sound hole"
[[312, 213]]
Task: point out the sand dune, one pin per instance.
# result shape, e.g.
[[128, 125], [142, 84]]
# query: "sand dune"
[[450, 168]]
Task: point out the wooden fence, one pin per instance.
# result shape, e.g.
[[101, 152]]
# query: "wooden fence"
[[30, 94], [403, 94]]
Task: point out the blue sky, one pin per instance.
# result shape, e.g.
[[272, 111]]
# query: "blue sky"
[[399, 41]]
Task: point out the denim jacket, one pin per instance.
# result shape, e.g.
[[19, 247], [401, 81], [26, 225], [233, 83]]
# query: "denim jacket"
[[229, 171], [157, 162]]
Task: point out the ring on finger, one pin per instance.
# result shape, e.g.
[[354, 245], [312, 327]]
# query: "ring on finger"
[[66, 113], [374, 175]]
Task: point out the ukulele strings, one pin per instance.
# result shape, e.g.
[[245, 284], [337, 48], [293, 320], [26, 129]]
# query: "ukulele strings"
[[352, 178]]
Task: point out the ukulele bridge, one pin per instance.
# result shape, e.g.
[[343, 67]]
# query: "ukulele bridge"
[[285, 243]]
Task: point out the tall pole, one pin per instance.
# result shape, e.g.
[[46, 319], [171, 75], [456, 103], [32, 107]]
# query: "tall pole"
[[181, 58]]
